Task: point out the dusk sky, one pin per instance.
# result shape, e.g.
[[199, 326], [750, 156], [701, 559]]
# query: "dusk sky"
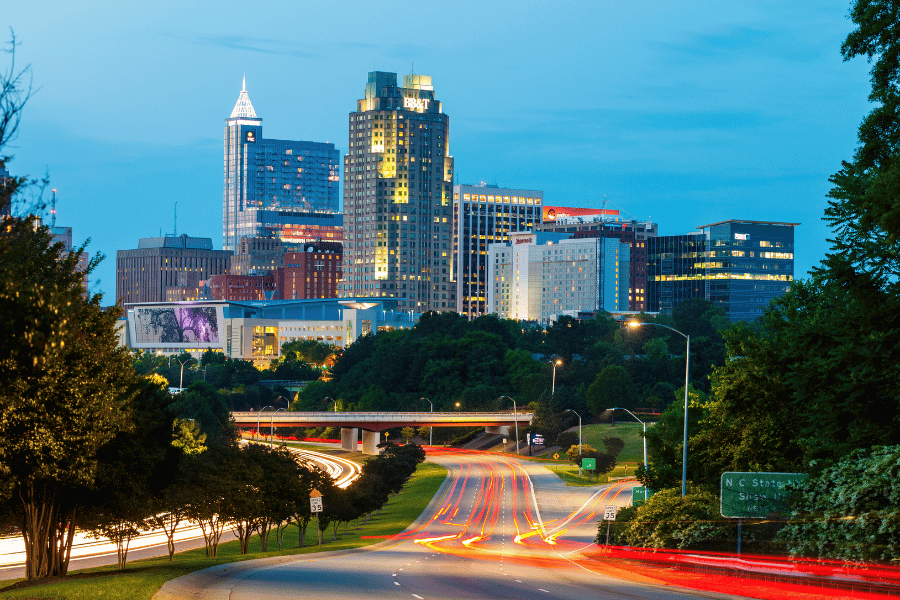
[[683, 113]]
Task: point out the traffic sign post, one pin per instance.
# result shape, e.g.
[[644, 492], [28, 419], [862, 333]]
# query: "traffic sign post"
[[756, 495], [316, 507], [588, 464], [639, 495], [609, 515]]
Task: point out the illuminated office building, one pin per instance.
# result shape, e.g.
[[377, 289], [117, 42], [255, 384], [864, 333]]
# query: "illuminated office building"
[[398, 208], [277, 188], [540, 276], [736, 264], [484, 215], [588, 223]]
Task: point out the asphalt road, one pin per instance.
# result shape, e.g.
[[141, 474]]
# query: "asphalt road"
[[489, 533]]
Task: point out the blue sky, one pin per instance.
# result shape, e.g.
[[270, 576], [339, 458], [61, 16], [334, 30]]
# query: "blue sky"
[[685, 113]]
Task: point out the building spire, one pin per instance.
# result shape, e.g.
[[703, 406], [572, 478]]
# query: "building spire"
[[243, 109]]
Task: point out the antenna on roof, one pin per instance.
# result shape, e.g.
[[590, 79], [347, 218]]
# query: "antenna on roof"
[[176, 219], [53, 210]]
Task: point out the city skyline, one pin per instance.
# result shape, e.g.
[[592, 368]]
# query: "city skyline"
[[685, 115]]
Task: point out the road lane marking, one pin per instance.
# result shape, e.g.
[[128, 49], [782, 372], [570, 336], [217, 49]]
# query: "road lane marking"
[[543, 590], [418, 596], [396, 583]]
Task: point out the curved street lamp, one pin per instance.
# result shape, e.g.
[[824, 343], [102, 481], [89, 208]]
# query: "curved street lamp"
[[645, 431], [515, 418], [687, 362], [579, 439], [257, 420], [181, 382], [333, 400], [556, 363], [430, 427]]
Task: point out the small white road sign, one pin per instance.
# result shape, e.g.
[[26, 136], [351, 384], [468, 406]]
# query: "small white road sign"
[[610, 513], [315, 504]]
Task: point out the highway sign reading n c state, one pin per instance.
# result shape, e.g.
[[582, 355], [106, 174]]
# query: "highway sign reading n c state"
[[756, 495]]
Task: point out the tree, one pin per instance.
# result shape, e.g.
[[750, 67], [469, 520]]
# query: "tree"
[[407, 433], [612, 387], [66, 387], [132, 469]]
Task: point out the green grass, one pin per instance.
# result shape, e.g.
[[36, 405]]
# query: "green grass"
[[630, 434], [568, 472], [141, 579]]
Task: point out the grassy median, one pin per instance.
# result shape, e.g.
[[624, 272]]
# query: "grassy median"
[[141, 579]]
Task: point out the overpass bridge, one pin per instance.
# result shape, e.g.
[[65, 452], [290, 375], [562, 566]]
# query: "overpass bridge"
[[373, 423]]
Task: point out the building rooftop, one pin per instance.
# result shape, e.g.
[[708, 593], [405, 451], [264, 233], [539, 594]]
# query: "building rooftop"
[[181, 241], [746, 222]]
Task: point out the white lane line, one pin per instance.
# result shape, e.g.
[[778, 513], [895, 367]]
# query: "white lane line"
[[418, 596], [396, 583], [393, 574], [543, 590], [518, 581]]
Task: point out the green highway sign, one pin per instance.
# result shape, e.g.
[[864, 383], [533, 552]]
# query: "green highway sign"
[[588, 464], [756, 495], [639, 495]]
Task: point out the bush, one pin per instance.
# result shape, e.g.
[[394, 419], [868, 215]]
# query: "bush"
[[667, 520], [851, 511], [605, 462]]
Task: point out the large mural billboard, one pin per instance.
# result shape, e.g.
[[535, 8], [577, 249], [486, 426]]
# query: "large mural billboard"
[[190, 325], [552, 213]]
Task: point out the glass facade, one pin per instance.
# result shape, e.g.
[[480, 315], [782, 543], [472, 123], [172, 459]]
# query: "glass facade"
[[749, 264], [398, 213], [738, 265], [267, 181]]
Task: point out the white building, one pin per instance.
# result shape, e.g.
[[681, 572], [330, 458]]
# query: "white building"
[[255, 330], [539, 276]]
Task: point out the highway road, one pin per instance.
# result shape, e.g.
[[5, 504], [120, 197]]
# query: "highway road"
[[88, 552], [497, 528]]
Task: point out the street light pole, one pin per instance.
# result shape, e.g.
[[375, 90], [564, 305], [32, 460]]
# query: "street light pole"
[[181, 382], [687, 372], [257, 420], [430, 427], [579, 440], [515, 419], [272, 424], [645, 432], [556, 363], [333, 400]]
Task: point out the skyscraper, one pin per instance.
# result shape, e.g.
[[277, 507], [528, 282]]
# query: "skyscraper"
[[277, 188], [484, 215], [398, 207]]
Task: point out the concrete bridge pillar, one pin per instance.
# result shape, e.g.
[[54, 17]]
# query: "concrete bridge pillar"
[[499, 429], [370, 441], [349, 438]]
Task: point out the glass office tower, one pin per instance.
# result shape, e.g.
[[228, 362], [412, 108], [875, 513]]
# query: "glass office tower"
[[277, 188], [398, 207], [736, 264]]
